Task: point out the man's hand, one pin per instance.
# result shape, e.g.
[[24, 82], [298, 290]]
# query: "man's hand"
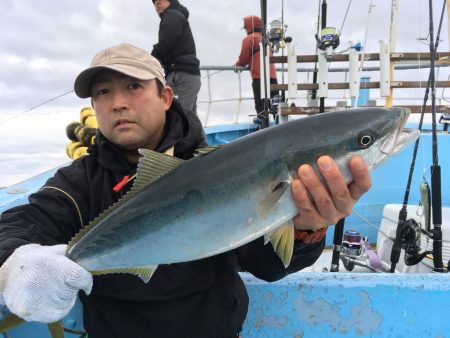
[[39, 283], [238, 69], [321, 205]]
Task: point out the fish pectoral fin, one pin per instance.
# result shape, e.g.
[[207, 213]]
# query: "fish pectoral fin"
[[282, 240], [269, 201], [143, 272]]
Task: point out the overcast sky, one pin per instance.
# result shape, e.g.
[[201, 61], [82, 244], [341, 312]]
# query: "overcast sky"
[[46, 43]]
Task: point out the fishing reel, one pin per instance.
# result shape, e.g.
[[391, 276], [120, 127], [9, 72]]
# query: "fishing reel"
[[276, 36], [352, 249], [328, 41], [275, 104], [261, 120], [353, 243], [410, 235], [445, 120]]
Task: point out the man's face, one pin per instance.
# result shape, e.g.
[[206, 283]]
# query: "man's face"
[[161, 5], [130, 113]]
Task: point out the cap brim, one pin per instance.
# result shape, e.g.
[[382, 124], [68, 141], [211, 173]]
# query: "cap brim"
[[83, 82]]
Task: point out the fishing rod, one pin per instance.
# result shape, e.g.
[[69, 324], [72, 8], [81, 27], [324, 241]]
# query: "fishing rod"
[[265, 112], [337, 245], [325, 43], [323, 25], [314, 81], [405, 228], [339, 226], [436, 200], [283, 92]]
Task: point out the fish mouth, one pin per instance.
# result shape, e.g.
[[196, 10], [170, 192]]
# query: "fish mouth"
[[399, 139]]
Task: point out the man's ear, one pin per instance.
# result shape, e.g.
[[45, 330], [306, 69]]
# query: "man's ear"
[[167, 97]]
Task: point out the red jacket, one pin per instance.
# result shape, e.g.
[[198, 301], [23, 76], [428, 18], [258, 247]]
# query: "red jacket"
[[250, 54]]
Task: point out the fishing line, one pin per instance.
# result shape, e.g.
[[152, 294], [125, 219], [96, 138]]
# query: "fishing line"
[[368, 222], [417, 77], [345, 17], [426, 96], [366, 34], [33, 108]]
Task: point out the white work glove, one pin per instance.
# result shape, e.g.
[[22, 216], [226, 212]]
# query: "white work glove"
[[39, 283]]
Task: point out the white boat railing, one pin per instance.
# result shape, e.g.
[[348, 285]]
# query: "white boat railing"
[[211, 71], [217, 100]]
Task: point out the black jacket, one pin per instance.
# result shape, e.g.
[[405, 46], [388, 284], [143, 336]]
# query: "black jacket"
[[176, 47], [203, 299]]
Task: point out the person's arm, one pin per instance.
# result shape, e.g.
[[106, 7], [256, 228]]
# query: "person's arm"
[[170, 30], [52, 216], [37, 281], [245, 55], [320, 205]]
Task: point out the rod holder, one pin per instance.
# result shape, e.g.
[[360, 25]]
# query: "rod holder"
[[385, 72], [322, 77], [292, 72]]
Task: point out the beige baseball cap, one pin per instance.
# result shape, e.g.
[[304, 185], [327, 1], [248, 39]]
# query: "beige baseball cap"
[[123, 58]]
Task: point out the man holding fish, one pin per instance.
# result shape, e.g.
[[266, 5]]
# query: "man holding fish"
[[40, 278]]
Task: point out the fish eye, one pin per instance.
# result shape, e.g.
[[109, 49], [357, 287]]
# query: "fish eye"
[[365, 140]]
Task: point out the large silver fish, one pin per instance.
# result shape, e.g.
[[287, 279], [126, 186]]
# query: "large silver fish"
[[181, 211]]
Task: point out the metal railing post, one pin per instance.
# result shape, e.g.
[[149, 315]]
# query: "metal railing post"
[[209, 99], [239, 98]]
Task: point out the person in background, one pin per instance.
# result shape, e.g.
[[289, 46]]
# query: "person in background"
[[176, 52], [206, 298], [250, 56]]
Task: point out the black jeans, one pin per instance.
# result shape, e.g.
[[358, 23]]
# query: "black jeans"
[[259, 103]]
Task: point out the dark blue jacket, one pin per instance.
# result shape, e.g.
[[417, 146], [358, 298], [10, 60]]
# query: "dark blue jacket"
[[176, 47]]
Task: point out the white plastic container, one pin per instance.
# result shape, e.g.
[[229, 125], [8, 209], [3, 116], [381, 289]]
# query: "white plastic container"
[[387, 231]]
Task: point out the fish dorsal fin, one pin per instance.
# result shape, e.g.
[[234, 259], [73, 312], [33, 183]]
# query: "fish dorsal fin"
[[282, 239], [152, 165], [206, 150]]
